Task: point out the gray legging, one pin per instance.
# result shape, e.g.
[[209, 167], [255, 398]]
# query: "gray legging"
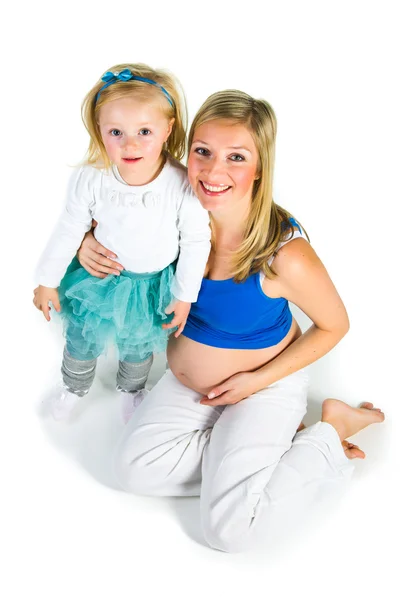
[[78, 375]]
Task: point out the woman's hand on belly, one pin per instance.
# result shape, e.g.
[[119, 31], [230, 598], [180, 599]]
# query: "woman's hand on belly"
[[233, 390]]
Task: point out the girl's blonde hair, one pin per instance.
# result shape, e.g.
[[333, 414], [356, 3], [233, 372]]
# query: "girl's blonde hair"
[[267, 223], [176, 143]]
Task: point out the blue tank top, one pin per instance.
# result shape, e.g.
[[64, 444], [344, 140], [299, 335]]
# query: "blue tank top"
[[238, 315]]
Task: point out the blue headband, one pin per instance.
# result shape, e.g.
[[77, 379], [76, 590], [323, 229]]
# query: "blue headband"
[[127, 75]]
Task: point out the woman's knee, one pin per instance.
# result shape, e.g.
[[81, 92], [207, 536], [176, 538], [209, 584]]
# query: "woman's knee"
[[224, 534], [233, 505], [227, 517]]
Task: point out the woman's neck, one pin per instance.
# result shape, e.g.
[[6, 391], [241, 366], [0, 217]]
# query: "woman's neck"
[[229, 228]]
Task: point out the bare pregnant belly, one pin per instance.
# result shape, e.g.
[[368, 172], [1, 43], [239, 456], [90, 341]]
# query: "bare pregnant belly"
[[201, 367]]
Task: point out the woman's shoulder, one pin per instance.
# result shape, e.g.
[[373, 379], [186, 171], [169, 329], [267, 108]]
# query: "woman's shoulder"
[[296, 260], [290, 230]]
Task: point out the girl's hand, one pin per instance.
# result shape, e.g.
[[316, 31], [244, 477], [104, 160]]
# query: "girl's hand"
[[42, 296], [181, 311], [96, 259], [233, 390]]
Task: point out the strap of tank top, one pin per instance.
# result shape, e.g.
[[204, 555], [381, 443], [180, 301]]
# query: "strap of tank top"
[[293, 222]]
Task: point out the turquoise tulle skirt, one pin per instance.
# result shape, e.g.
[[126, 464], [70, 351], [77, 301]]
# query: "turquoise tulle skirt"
[[127, 310]]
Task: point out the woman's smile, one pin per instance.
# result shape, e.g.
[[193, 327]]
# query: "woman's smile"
[[214, 190]]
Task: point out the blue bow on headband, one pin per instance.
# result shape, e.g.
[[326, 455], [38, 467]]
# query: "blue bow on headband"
[[126, 75]]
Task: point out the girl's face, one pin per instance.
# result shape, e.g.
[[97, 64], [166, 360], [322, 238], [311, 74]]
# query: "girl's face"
[[222, 166], [133, 133]]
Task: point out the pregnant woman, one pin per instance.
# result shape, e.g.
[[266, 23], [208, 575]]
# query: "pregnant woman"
[[222, 422]]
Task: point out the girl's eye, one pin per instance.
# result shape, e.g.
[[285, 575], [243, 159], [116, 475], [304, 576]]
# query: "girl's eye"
[[237, 157], [144, 132], [115, 132], [202, 151]]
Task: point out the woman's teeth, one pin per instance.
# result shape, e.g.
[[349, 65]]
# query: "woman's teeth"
[[215, 188]]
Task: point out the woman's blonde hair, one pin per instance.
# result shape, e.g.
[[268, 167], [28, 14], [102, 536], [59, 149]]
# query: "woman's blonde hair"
[[267, 223], [176, 143]]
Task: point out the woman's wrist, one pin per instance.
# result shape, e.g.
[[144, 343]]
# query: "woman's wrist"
[[262, 378]]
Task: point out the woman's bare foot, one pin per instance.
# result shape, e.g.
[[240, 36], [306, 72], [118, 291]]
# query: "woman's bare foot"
[[348, 420], [350, 450]]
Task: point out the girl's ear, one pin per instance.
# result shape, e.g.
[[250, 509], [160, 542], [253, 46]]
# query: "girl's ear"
[[170, 126]]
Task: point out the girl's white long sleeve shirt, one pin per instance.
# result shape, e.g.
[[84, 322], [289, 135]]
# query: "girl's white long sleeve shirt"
[[148, 227]]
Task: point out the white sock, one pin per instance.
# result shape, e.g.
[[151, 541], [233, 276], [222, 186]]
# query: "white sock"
[[130, 401], [63, 404]]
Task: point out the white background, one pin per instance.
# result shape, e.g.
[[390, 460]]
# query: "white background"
[[330, 70]]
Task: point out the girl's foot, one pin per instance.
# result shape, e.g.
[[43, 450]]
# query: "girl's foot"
[[130, 402], [63, 403], [348, 420]]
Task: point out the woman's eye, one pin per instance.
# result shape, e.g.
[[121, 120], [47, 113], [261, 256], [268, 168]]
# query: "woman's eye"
[[237, 157], [202, 151], [115, 132], [144, 132]]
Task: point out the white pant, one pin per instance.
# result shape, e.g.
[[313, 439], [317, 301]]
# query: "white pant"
[[240, 459]]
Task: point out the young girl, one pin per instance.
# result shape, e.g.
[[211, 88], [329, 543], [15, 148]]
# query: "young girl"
[[133, 186]]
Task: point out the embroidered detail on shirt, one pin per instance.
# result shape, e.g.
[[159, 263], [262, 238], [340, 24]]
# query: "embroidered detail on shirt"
[[150, 199], [130, 199]]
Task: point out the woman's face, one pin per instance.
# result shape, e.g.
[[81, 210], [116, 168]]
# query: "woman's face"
[[222, 165]]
